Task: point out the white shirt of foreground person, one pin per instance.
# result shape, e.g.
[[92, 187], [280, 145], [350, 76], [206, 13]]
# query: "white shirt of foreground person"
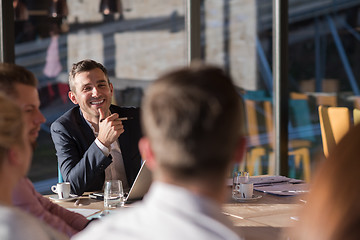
[[17, 225], [167, 212]]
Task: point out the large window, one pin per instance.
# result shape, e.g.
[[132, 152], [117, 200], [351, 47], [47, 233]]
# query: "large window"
[[323, 70], [137, 40], [323, 43]]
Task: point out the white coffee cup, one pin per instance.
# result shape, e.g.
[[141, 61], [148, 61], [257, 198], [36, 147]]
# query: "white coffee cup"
[[62, 189], [246, 190]]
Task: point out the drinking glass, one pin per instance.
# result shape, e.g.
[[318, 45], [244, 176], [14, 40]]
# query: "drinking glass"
[[239, 179], [113, 194]]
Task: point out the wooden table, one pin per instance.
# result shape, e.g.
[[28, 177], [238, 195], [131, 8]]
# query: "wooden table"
[[84, 202], [265, 218]]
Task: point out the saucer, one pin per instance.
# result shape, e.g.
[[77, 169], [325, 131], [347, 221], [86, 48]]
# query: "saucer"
[[240, 199], [71, 197]]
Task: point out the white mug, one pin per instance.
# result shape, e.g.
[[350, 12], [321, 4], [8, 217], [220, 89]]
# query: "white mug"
[[246, 190], [62, 189]]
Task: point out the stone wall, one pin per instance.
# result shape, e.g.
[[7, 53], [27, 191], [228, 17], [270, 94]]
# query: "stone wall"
[[85, 45], [240, 36], [84, 11], [142, 54], [145, 55]]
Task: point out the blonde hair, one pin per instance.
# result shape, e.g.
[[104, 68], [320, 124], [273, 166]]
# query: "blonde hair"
[[11, 125]]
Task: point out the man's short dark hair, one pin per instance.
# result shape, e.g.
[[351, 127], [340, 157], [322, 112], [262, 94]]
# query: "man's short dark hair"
[[84, 66]]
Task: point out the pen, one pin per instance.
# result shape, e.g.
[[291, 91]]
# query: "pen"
[[96, 196], [77, 202], [125, 118], [121, 119]]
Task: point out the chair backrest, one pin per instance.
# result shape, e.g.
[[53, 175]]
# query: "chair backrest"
[[268, 113], [60, 178], [298, 96], [251, 122], [300, 117], [334, 123], [326, 100], [257, 125], [356, 115], [257, 95], [356, 101]]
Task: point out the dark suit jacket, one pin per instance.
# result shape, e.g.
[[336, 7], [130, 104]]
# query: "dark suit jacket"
[[81, 161]]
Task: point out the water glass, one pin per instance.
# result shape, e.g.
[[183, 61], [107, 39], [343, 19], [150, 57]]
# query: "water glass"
[[239, 179], [113, 194]]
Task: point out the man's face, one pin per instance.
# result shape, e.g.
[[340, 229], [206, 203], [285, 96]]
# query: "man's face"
[[29, 102], [92, 91]]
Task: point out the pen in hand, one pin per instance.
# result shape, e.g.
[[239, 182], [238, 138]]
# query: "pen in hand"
[[121, 119], [125, 118]]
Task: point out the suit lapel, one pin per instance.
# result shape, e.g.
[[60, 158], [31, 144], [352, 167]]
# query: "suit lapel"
[[84, 127]]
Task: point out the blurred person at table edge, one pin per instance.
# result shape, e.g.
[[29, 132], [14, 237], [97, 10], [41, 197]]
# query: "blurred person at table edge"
[[332, 211], [21, 86], [193, 136], [15, 160], [92, 143]]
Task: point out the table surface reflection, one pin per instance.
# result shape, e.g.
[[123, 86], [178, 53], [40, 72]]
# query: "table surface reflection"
[[265, 218]]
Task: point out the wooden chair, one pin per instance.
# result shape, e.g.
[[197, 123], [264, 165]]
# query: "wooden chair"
[[256, 149], [302, 142], [334, 123], [356, 116], [298, 96], [300, 150], [326, 100], [356, 100], [258, 146]]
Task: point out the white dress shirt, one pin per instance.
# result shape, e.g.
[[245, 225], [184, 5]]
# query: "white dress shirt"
[[167, 212], [116, 170]]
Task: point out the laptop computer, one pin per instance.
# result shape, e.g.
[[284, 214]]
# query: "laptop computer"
[[141, 184], [139, 188]]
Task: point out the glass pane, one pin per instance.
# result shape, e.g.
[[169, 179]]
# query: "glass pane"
[[135, 40], [230, 33], [323, 70]]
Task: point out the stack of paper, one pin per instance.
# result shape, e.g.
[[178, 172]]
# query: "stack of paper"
[[279, 185]]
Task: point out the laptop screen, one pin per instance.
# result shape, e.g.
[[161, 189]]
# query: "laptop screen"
[[141, 184]]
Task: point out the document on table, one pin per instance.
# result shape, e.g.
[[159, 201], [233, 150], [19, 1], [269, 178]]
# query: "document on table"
[[84, 212], [269, 180], [280, 185], [284, 189], [266, 180]]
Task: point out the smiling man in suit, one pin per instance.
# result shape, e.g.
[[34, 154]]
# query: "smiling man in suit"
[[96, 141]]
